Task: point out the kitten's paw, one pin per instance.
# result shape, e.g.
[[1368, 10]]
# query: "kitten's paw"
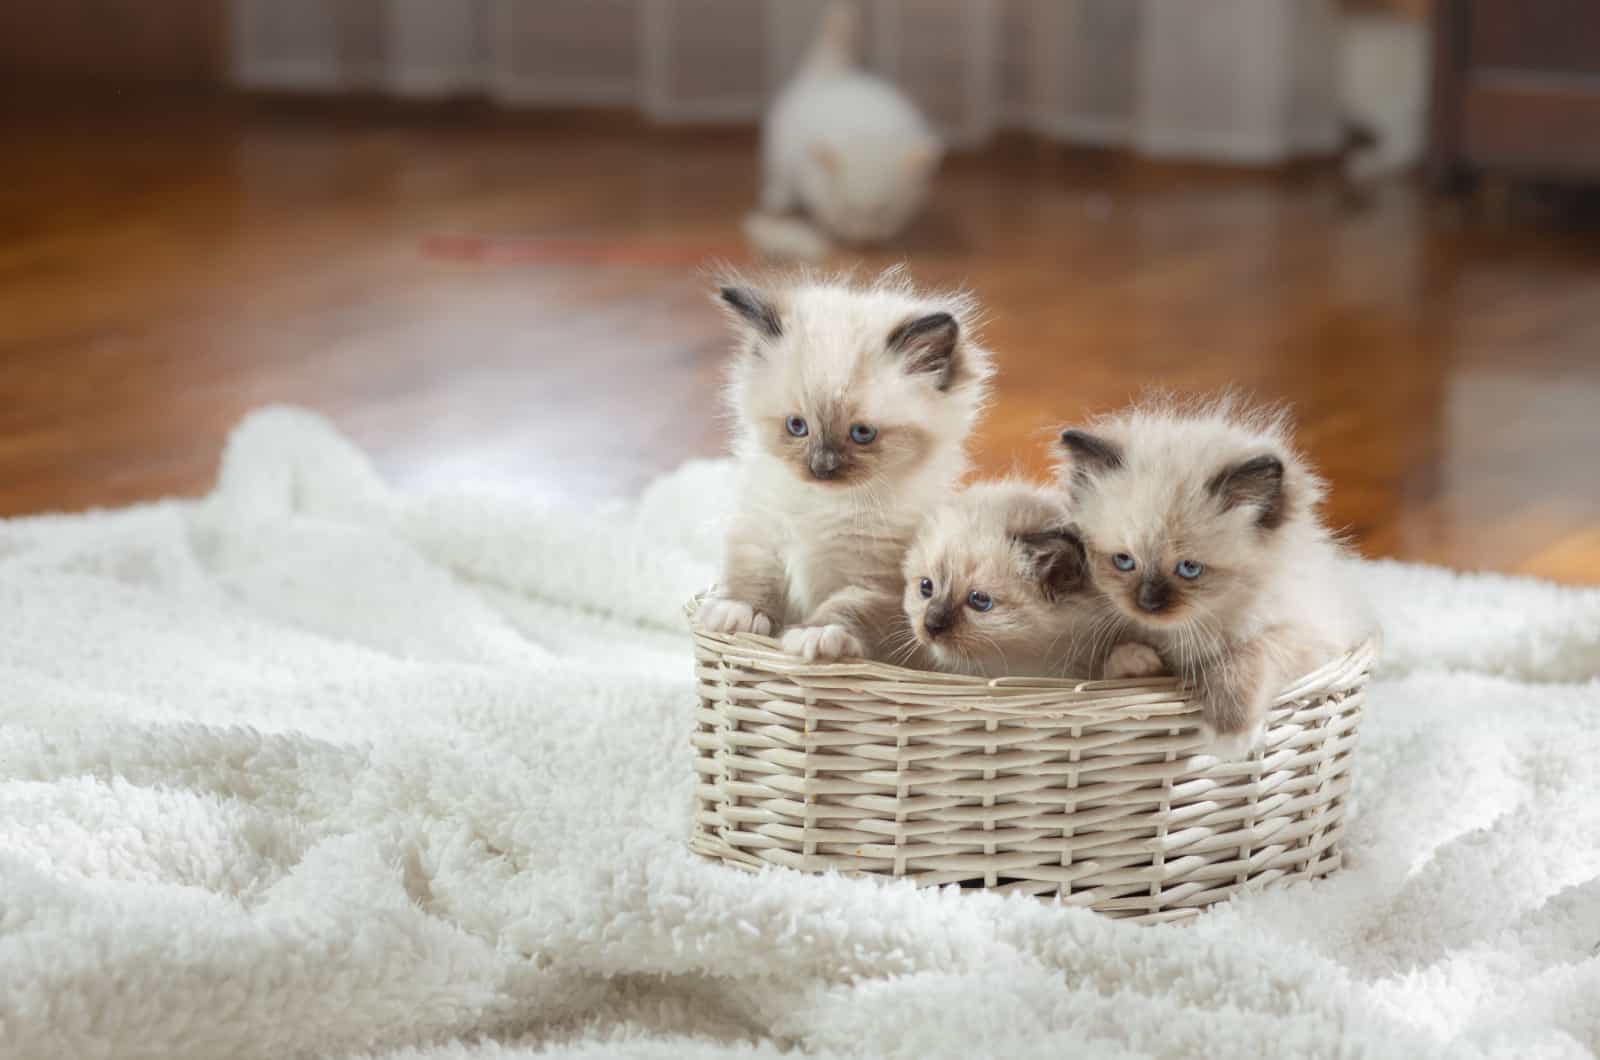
[[822, 643], [732, 616], [1234, 746], [1132, 659]]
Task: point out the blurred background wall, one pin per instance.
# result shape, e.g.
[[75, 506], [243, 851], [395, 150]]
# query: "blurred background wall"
[[1236, 80], [1240, 80]]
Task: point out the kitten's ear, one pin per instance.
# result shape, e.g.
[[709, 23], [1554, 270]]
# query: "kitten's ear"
[[753, 309], [1258, 483], [1057, 561], [826, 158], [928, 345], [1089, 453]]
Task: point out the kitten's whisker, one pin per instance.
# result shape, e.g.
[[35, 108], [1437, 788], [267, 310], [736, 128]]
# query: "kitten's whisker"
[[902, 645], [998, 650], [1106, 633], [867, 502], [965, 662], [1050, 652]]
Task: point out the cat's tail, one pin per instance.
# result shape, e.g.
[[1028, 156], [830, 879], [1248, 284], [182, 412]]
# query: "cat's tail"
[[837, 41], [779, 238]]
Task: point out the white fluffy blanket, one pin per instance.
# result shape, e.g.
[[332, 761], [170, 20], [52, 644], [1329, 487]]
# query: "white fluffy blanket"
[[309, 768]]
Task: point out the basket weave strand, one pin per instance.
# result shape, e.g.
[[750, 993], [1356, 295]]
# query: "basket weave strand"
[[1095, 793]]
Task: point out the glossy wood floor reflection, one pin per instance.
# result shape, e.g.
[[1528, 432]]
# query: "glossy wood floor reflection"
[[165, 269]]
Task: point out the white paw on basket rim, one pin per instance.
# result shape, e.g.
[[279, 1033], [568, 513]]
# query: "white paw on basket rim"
[[1094, 793]]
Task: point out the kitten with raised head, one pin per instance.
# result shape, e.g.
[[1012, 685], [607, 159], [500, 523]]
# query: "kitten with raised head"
[[842, 145], [1200, 526], [852, 406], [996, 584]]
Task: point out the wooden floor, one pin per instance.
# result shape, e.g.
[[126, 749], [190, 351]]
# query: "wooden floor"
[[164, 270]]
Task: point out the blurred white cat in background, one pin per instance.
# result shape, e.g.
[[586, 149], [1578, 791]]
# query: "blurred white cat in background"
[[1383, 80], [843, 147]]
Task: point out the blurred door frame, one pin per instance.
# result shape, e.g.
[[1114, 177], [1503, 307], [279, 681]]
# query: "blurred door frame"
[[1516, 90], [60, 42]]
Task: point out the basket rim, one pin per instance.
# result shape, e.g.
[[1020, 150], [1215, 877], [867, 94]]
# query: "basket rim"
[[1339, 674]]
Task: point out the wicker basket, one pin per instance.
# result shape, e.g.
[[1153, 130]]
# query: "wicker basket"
[[1096, 793]]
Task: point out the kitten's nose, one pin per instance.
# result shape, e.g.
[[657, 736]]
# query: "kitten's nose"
[[937, 619], [825, 462], [1154, 595]]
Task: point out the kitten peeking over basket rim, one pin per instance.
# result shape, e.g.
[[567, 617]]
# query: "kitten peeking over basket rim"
[[851, 404], [1200, 522], [997, 585]]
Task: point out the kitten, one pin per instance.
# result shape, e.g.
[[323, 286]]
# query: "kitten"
[[843, 145], [1201, 528], [852, 408], [996, 584]]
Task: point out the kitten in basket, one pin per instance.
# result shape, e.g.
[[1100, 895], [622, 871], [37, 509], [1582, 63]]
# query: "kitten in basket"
[[997, 584], [852, 407], [1201, 528]]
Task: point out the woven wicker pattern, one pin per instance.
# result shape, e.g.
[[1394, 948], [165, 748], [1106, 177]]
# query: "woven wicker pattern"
[[1095, 793]]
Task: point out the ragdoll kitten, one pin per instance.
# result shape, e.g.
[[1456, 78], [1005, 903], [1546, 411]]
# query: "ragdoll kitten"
[[1201, 528], [843, 145], [852, 408], [997, 583]]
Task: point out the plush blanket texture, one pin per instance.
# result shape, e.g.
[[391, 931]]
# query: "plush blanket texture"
[[310, 768]]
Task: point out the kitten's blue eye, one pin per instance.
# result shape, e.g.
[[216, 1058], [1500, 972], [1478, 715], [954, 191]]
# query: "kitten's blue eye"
[[1123, 562], [926, 587], [979, 601], [861, 434], [797, 427], [1188, 568]]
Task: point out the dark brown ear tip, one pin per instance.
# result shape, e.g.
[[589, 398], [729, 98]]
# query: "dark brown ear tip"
[[930, 328], [930, 345], [1258, 481], [753, 307], [1057, 558], [1268, 465], [741, 298], [1091, 452]]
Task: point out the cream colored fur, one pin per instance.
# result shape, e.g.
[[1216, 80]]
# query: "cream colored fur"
[[842, 145], [1270, 603], [821, 559], [997, 539], [1012, 541], [1383, 88]]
